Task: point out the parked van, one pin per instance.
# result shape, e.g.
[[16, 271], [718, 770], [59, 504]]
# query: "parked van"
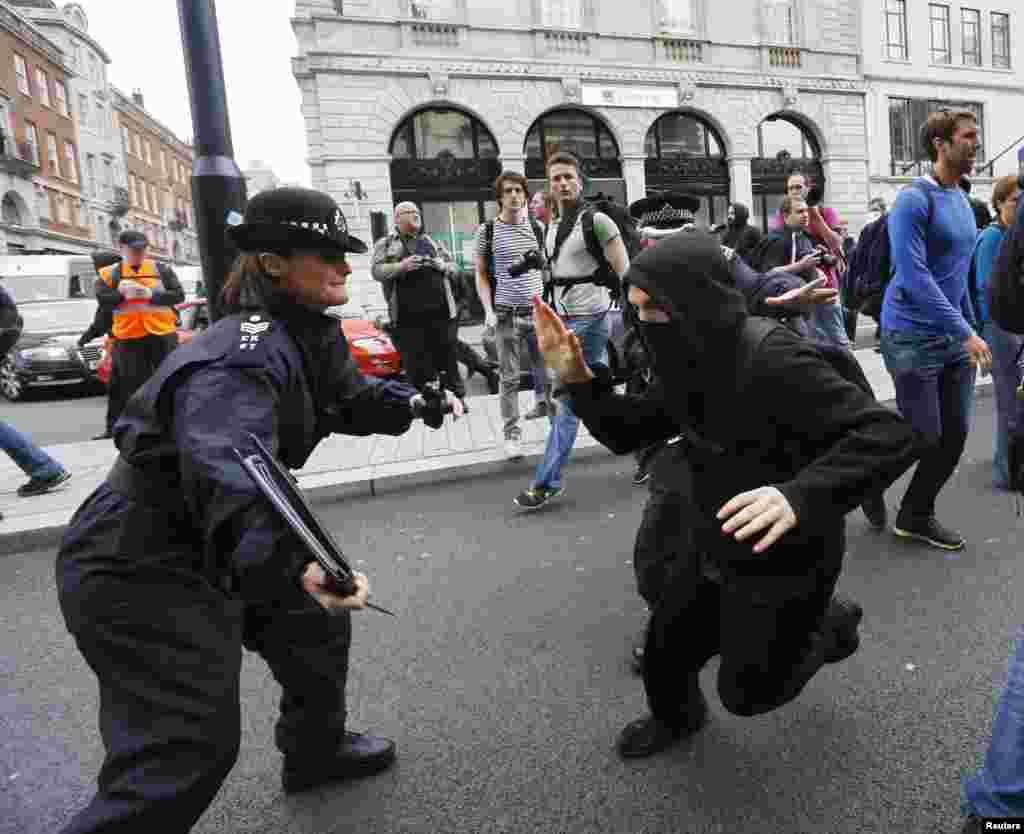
[[47, 277]]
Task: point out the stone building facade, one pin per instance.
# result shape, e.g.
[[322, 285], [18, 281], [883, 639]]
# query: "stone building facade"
[[428, 100]]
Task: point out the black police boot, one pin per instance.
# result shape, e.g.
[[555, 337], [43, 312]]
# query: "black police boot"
[[647, 736], [357, 755], [841, 622]]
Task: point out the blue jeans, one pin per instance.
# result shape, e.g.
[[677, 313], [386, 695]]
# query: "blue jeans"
[[1009, 410], [934, 381], [828, 324], [997, 789], [32, 460], [592, 331]]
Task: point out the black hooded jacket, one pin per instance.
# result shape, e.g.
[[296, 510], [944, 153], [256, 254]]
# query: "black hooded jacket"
[[739, 234], [785, 415]]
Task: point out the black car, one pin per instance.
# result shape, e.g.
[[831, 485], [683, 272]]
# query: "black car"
[[47, 354]]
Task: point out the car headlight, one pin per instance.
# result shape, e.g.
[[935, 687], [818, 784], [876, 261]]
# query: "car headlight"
[[371, 344], [51, 353]]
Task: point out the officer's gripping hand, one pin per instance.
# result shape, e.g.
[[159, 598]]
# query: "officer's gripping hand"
[[750, 513], [318, 585], [432, 410]]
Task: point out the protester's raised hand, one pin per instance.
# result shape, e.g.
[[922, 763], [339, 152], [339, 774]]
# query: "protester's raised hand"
[[749, 513], [558, 345], [810, 295]]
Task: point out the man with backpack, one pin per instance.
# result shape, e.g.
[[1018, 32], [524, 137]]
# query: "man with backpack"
[[930, 341], [142, 294], [501, 245], [771, 491], [588, 258]]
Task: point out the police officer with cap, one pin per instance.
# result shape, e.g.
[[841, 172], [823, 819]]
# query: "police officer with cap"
[[661, 215], [176, 561]]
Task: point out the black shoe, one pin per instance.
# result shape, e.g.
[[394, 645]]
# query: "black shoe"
[[536, 497], [105, 436], [357, 755], [874, 509], [37, 486], [640, 476], [493, 382], [637, 656], [841, 622], [929, 530], [538, 411], [647, 736]]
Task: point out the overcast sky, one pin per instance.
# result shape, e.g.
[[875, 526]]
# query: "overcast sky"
[[143, 40]]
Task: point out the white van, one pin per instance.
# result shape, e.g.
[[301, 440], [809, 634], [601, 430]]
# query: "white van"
[[47, 277]]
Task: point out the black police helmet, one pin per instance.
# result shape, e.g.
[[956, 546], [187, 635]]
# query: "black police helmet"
[[285, 219], [667, 209]]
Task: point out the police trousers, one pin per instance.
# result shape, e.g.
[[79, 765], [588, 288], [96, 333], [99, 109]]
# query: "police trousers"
[[166, 644], [766, 629], [133, 362]]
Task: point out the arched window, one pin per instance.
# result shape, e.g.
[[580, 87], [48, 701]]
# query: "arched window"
[[685, 153], [10, 211], [587, 138], [446, 161], [784, 146]]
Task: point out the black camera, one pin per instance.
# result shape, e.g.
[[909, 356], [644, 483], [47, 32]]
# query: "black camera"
[[815, 194], [529, 260], [825, 258]]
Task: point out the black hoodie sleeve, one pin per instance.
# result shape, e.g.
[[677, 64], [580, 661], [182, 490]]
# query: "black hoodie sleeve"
[[621, 422], [860, 447]]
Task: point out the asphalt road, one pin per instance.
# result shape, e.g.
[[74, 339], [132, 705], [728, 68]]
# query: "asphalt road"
[[505, 681]]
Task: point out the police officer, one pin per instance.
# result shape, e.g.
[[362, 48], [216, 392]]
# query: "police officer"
[[177, 561]]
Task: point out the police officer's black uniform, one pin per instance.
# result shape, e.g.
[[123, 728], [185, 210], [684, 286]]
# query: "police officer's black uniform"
[[176, 561]]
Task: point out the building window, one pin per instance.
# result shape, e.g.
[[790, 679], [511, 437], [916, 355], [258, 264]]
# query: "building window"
[[970, 34], [163, 163], [61, 91], [126, 139], [32, 138], [83, 110], [562, 14], [896, 29], [43, 85], [941, 51], [131, 189], [154, 199], [137, 140], [907, 117], [780, 21], [433, 9], [51, 155], [149, 153], [21, 71], [677, 17], [70, 163], [90, 173], [101, 120], [1000, 40], [143, 195], [63, 215]]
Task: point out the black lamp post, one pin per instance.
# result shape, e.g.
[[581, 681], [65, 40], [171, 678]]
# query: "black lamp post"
[[218, 186]]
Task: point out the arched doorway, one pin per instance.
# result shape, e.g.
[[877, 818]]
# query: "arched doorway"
[[685, 153], [446, 161], [11, 211], [586, 137], [784, 146]]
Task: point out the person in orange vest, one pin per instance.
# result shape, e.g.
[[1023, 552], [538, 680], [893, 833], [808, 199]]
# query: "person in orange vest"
[[142, 294]]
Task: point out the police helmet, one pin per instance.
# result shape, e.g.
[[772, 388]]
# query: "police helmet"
[[282, 220]]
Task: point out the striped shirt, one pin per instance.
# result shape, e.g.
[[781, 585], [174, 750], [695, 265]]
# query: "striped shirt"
[[511, 242]]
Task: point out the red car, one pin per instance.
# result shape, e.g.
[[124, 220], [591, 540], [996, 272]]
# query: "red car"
[[371, 348]]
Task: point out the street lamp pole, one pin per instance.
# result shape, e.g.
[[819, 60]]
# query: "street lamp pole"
[[218, 186]]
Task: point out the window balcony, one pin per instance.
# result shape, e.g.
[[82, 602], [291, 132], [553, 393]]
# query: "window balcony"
[[785, 57], [678, 50], [17, 159]]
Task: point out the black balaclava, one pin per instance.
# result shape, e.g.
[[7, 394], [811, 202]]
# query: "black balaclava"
[[742, 215], [693, 354]]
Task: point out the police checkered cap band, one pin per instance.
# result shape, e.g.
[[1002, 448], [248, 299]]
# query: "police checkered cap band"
[[666, 214]]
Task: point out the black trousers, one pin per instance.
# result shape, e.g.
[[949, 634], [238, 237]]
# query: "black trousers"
[[133, 362], [428, 348], [166, 647]]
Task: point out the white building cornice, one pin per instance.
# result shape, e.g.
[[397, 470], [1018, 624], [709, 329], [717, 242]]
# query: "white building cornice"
[[23, 29]]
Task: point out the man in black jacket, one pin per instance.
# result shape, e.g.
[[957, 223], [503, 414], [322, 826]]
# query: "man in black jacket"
[[781, 447]]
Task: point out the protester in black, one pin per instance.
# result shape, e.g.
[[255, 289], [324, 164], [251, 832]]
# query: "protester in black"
[[782, 446], [739, 234]]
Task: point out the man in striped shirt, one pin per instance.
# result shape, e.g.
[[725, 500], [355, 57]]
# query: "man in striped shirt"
[[507, 299]]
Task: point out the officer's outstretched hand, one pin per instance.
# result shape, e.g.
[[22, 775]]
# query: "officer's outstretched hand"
[[750, 513], [318, 585]]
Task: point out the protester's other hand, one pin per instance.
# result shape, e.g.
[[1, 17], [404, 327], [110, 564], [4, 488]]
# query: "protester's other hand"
[[979, 353], [318, 584], [558, 345], [810, 295], [410, 264], [454, 405], [757, 510], [490, 319]]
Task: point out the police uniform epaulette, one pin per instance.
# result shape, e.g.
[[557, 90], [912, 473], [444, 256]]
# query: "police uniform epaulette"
[[253, 332]]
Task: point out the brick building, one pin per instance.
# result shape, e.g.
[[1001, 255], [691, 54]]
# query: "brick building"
[[40, 167], [429, 99], [159, 168]]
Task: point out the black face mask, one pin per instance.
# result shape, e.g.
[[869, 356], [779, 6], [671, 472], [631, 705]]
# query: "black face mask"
[[664, 343]]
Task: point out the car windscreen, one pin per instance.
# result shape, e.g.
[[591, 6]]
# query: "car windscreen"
[[66, 316], [36, 287]]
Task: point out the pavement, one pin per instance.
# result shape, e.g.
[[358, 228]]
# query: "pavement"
[[341, 466]]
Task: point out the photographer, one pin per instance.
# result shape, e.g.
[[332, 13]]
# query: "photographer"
[[416, 275], [794, 250]]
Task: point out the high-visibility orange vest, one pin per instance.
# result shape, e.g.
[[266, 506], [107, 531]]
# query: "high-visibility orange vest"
[[138, 317]]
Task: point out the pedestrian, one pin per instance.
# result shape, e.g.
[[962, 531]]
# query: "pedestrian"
[[773, 490], [583, 304], [512, 240], [1006, 346], [103, 320], [142, 294], [930, 339], [739, 234], [44, 473], [417, 275], [177, 560]]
